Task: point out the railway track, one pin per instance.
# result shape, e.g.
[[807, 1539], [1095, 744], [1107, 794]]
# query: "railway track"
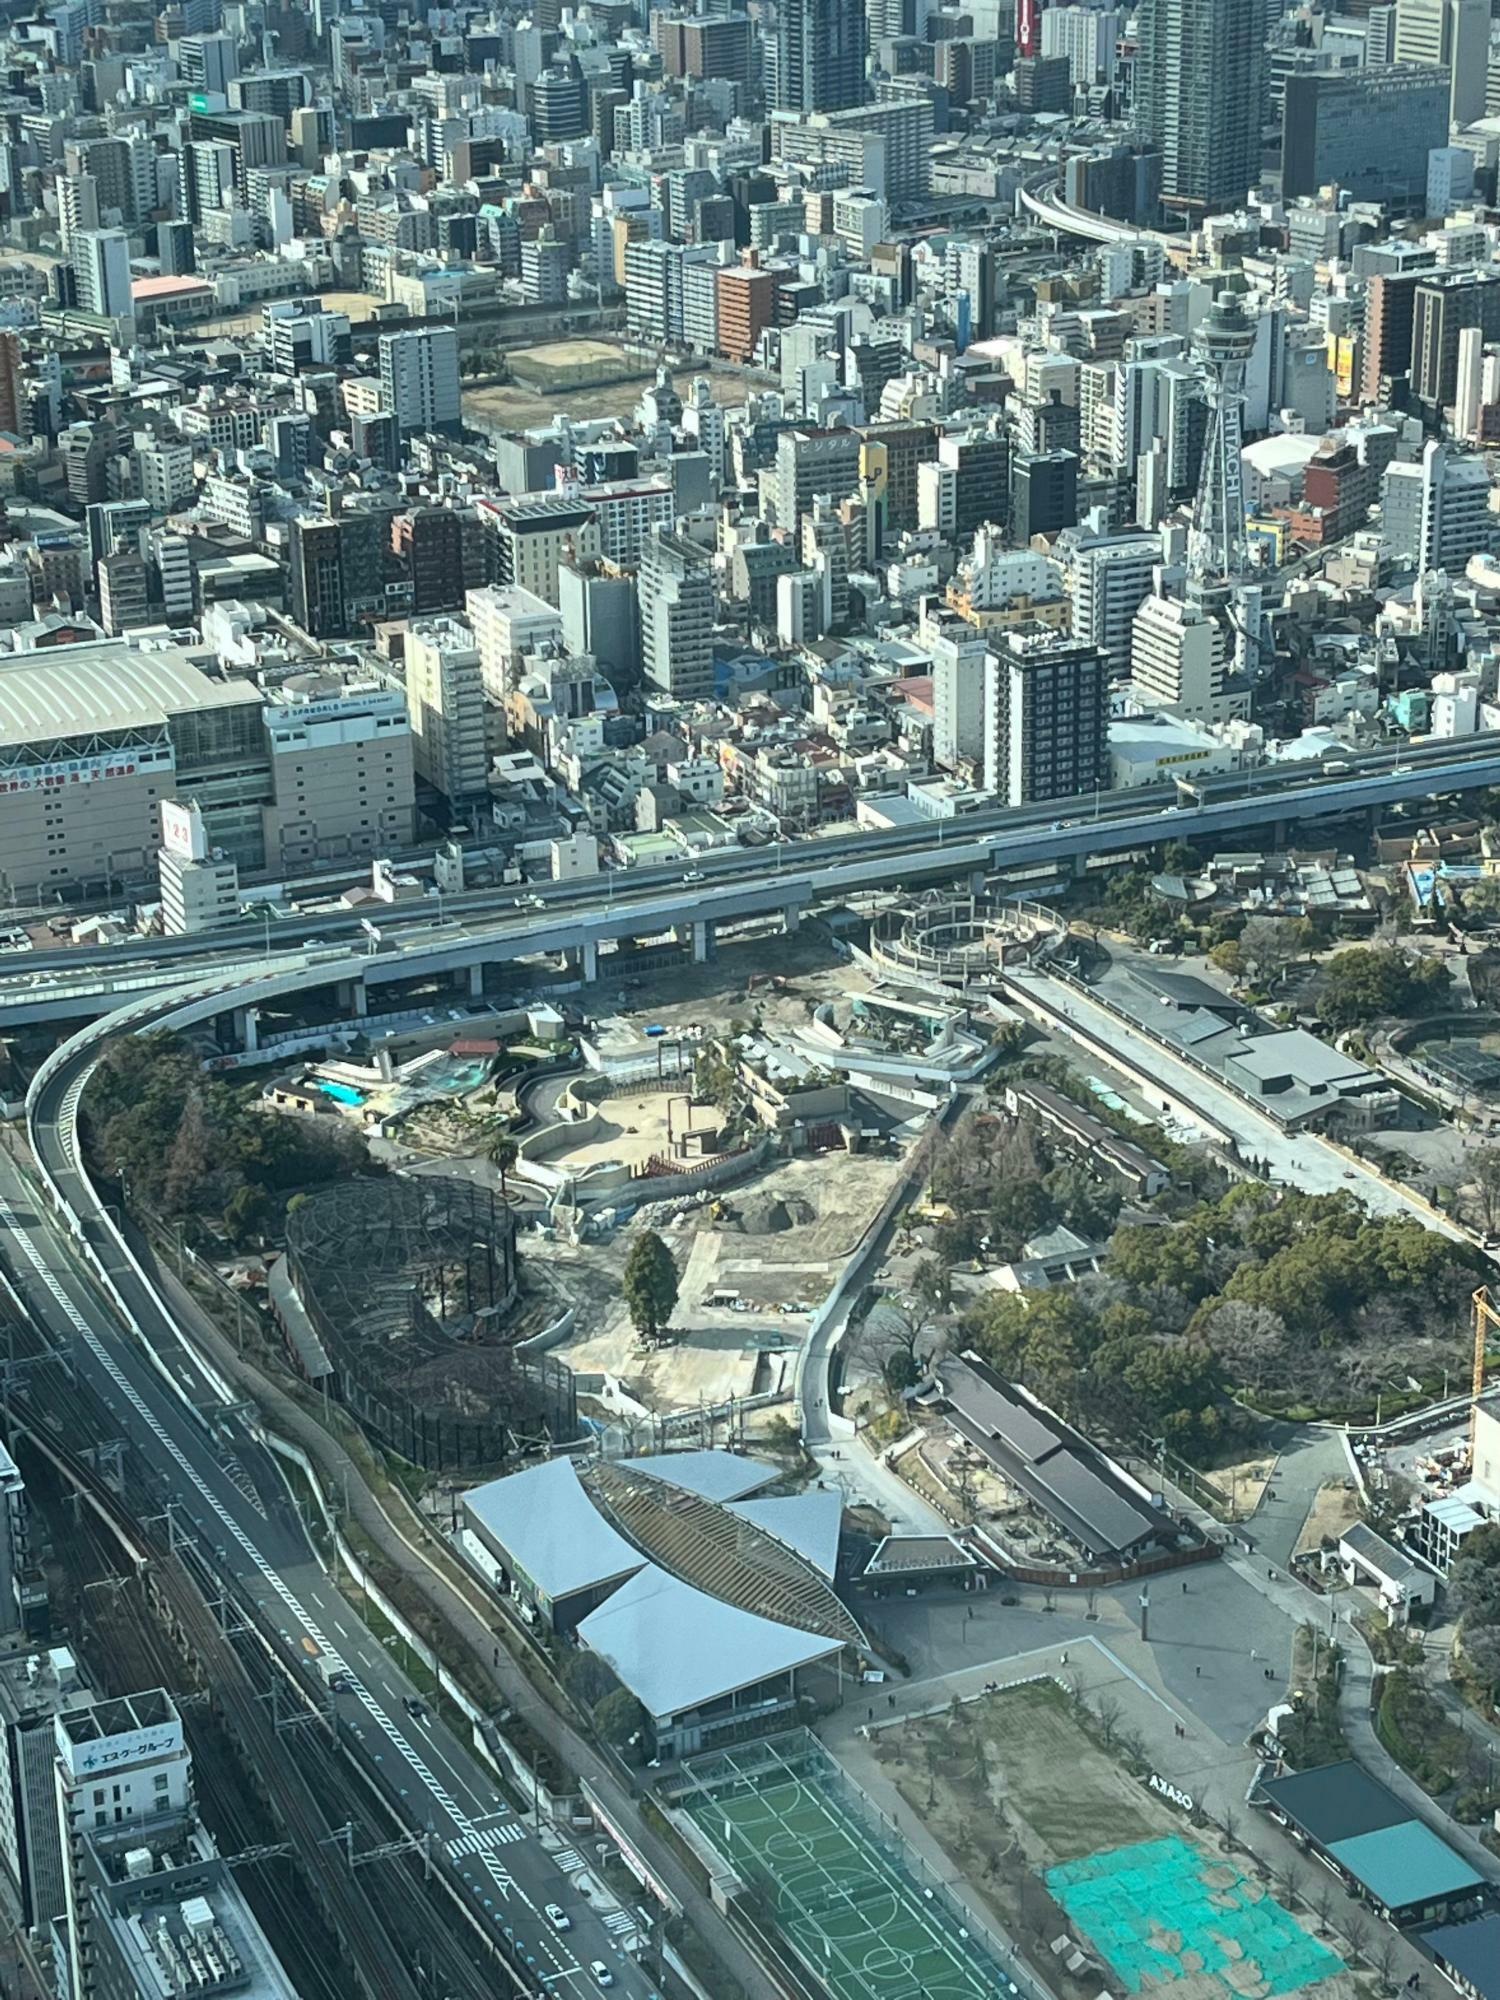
[[398, 1939]]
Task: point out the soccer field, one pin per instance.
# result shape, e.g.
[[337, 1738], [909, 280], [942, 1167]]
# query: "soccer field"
[[843, 1897]]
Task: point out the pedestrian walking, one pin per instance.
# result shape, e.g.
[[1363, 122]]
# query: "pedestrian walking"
[[1197, 1673], [1184, 1586]]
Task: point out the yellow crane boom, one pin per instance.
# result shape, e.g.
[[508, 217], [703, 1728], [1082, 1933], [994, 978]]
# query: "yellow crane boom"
[[1485, 1317]]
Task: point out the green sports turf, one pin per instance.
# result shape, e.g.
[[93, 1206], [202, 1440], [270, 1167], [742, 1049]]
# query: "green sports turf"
[[846, 1904]]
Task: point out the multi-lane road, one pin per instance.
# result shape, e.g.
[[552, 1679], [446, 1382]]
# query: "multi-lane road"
[[438, 936], [225, 1498], [1052, 829]]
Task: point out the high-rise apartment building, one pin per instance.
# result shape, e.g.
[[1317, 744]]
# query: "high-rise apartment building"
[[444, 552], [747, 306], [508, 623], [704, 45], [172, 576], [445, 699], [1178, 659], [257, 137], [1456, 35], [101, 258], [419, 379], [532, 535], [208, 176], [207, 62], [34, 1688], [77, 206], [1444, 304], [1086, 37], [1436, 513], [545, 263], [677, 616], [1109, 576], [1200, 75], [1046, 714], [11, 400], [958, 649], [336, 564], [1390, 311], [817, 58], [885, 147]]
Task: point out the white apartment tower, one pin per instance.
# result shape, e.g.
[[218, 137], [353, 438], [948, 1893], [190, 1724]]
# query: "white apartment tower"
[[1178, 660], [101, 258], [677, 616], [445, 697], [1109, 576], [1454, 35], [419, 378]]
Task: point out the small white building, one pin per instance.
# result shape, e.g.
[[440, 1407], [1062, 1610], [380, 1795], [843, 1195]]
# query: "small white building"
[[1398, 1581], [200, 885]]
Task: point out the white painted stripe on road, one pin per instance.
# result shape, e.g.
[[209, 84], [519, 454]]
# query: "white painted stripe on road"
[[503, 1882]]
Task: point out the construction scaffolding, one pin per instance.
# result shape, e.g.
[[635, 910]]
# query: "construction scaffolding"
[[410, 1283]]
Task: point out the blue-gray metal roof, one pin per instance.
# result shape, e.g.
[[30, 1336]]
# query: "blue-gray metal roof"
[[712, 1475], [545, 1525], [807, 1522], [677, 1648]]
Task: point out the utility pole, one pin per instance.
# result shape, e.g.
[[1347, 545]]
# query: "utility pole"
[[1145, 1611]]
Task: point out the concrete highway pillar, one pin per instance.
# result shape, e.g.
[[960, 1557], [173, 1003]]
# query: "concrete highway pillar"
[[361, 998], [247, 1028], [476, 981], [588, 960], [1078, 866], [791, 916], [703, 940]]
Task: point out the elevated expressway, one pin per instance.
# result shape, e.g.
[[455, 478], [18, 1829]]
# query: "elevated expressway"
[[456, 939], [1042, 199]]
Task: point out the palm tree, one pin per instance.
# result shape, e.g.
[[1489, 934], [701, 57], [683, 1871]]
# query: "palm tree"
[[502, 1152]]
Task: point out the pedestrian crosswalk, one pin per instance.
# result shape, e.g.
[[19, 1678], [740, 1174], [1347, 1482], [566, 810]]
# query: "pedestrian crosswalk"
[[568, 1859], [619, 1923], [483, 1837]]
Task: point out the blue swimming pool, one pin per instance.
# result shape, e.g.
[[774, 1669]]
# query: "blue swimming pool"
[[341, 1093]]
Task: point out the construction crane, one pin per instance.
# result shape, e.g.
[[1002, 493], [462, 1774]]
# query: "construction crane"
[[1485, 1317]]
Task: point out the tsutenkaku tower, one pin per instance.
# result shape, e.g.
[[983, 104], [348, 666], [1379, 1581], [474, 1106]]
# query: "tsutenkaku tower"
[[1223, 342]]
